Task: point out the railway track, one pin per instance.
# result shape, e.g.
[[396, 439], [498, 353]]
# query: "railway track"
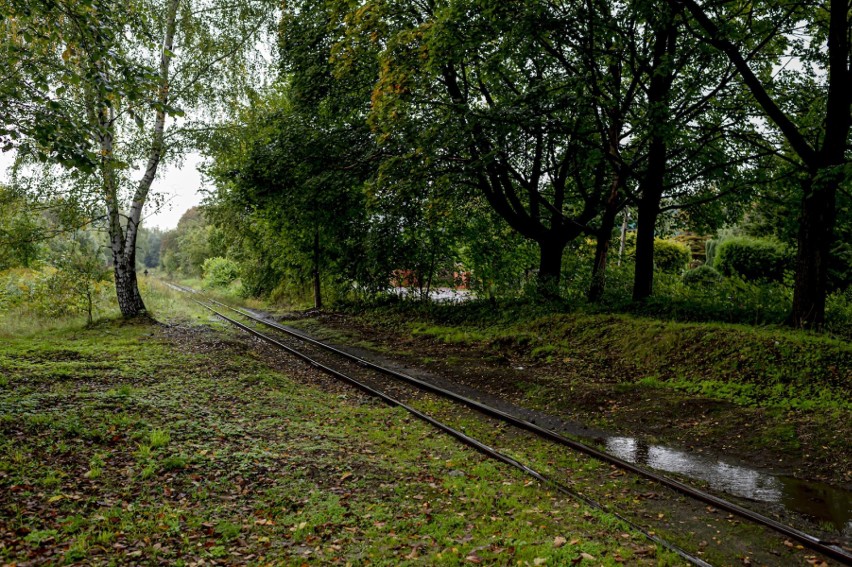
[[389, 385]]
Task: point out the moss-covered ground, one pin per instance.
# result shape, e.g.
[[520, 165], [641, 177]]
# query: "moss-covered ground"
[[775, 397], [150, 443]]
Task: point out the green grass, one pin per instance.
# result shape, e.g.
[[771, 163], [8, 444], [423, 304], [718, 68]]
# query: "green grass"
[[759, 394], [26, 320], [139, 442], [748, 366], [447, 334]]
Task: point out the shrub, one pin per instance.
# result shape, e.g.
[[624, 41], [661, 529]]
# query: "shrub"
[[702, 276], [697, 245], [753, 259], [671, 256], [219, 272], [710, 249]]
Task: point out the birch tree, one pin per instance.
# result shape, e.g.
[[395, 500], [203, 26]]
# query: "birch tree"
[[203, 56]]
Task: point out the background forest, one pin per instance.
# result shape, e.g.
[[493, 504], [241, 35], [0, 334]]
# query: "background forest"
[[671, 158]]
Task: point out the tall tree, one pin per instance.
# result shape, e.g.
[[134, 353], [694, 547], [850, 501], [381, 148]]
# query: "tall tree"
[[102, 112], [201, 53], [470, 92], [815, 122]]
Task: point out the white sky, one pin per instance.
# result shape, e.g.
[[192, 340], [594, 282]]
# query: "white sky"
[[178, 186]]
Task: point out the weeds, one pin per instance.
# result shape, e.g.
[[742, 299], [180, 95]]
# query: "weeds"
[[158, 438], [218, 454]]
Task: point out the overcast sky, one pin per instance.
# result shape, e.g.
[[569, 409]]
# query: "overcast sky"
[[180, 188], [178, 185]]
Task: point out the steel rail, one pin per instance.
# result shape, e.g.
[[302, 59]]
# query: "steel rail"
[[467, 440], [813, 542]]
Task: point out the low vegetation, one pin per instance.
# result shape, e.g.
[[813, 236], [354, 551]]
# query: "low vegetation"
[[636, 374], [149, 442]]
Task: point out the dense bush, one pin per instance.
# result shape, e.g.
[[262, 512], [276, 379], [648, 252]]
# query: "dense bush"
[[17, 286], [753, 259], [219, 272], [697, 245], [702, 276], [711, 247], [670, 256], [54, 293]]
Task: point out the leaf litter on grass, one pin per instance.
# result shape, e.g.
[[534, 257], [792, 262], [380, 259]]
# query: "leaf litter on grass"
[[210, 454]]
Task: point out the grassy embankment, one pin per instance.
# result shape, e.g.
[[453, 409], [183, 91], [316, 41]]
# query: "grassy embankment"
[[143, 442], [769, 394]]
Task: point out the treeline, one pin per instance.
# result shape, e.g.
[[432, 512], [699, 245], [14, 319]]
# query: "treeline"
[[528, 143], [54, 255]]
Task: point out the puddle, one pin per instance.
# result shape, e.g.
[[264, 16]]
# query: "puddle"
[[829, 507], [824, 504], [438, 295]]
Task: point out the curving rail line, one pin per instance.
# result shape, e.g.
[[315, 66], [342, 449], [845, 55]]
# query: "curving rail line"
[[468, 440], [826, 548]]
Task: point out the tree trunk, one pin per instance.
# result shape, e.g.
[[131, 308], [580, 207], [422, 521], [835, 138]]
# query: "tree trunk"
[[604, 235], [89, 318], [816, 224], [129, 300], [623, 237], [430, 272], [550, 267], [648, 211], [316, 272], [643, 276], [653, 183], [598, 285], [123, 238]]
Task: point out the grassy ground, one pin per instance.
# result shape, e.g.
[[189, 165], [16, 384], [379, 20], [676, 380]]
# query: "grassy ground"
[[772, 396], [151, 443]]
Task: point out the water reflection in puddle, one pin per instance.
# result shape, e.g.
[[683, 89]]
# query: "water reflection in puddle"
[[818, 501]]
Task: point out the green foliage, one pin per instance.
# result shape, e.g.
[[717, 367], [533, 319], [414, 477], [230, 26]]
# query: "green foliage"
[[81, 275], [17, 286], [671, 256], [703, 275], [753, 259], [500, 261], [20, 231], [75, 281], [148, 246], [710, 249], [184, 249], [50, 48], [839, 313], [219, 272], [697, 245]]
